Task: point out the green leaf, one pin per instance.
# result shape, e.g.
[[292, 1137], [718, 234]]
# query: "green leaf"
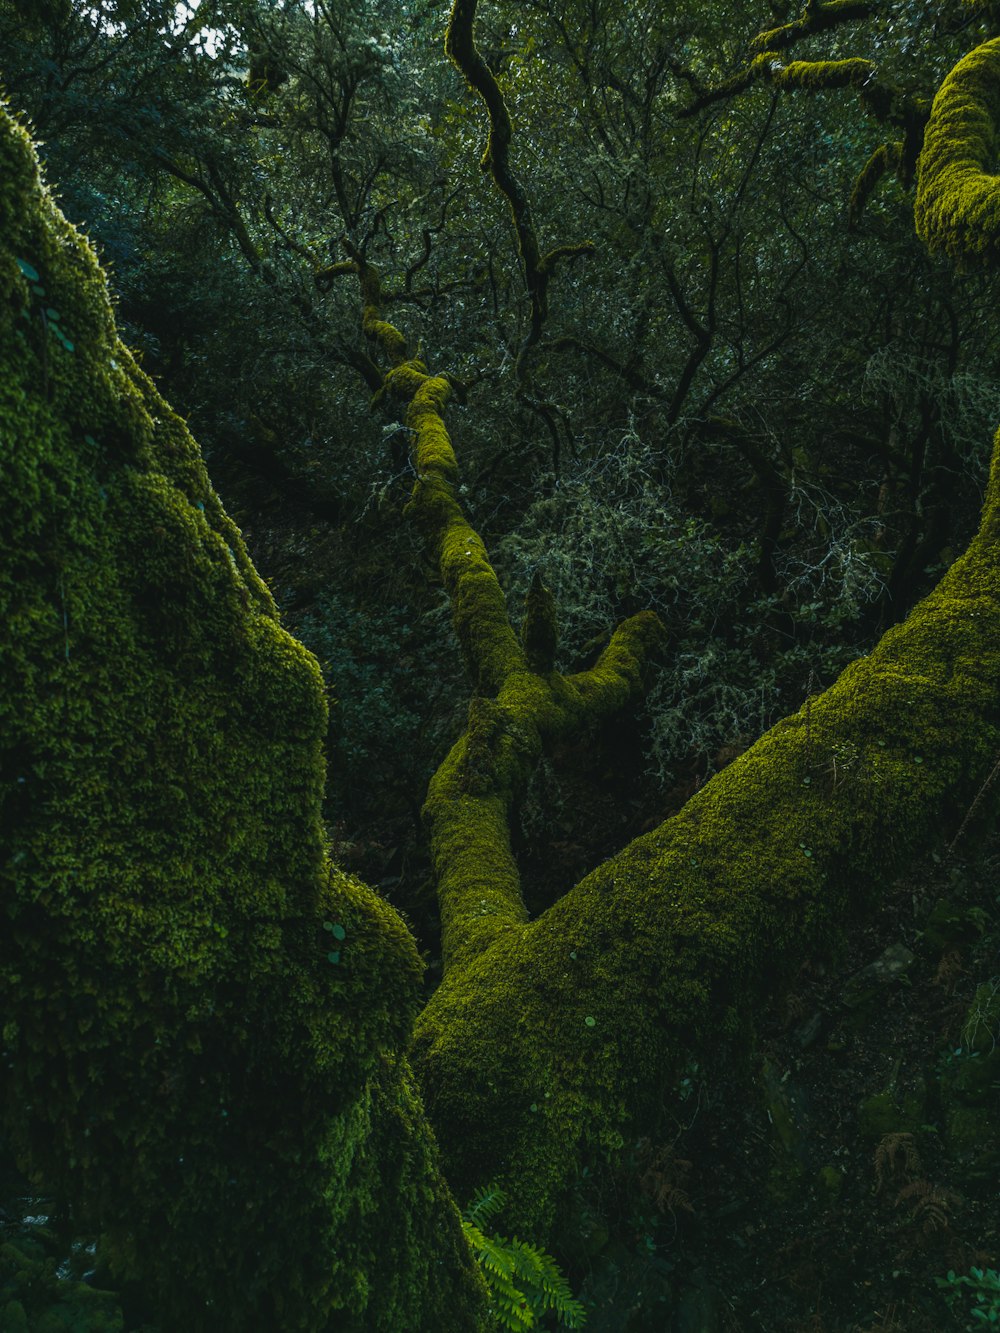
[[339, 933], [590, 1022], [333, 957], [29, 271]]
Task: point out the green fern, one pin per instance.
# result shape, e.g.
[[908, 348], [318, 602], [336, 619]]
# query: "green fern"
[[524, 1282]]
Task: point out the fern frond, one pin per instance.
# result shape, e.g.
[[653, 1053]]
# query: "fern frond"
[[486, 1203], [545, 1284], [523, 1282]]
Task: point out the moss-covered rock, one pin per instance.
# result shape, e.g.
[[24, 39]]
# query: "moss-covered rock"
[[210, 1076], [35, 1299], [893, 1111]]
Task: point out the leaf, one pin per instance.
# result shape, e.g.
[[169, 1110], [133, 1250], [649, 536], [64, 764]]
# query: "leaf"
[[333, 957], [338, 932], [29, 271], [590, 1022]]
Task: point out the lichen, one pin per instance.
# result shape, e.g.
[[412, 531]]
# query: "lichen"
[[957, 207], [188, 1059]]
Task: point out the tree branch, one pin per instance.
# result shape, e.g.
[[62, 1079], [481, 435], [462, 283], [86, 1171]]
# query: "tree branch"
[[460, 45]]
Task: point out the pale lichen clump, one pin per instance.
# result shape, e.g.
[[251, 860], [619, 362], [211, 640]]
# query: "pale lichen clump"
[[203, 1020], [958, 191]]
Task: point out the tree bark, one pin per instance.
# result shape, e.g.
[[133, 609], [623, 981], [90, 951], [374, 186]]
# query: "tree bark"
[[204, 1023]]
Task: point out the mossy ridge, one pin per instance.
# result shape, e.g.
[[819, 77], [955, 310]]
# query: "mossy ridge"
[[957, 207], [577, 1023], [184, 1063]]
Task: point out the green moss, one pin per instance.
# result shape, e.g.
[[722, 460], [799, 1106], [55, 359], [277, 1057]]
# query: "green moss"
[[816, 17], [958, 193], [185, 1059], [707, 914], [892, 1111], [33, 1297], [887, 157], [813, 75]]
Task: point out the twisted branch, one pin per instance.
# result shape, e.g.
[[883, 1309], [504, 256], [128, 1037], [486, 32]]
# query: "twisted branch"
[[460, 44]]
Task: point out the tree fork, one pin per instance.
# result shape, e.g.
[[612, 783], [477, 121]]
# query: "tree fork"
[[522, 705], [576, 1024]]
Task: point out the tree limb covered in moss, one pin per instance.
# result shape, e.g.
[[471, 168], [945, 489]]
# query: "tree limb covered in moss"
[[804, 75], [815, 18], [671, 944], [521, 704], [887, 157], [958, 193], [885, 102]]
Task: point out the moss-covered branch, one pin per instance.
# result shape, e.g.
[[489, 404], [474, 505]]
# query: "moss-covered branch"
[[674, 943], [521, 704], [815, 18], [958, 192], [884, 102], [887, 157]]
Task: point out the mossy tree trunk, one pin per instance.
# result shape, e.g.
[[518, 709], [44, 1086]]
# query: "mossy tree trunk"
[[204, 1023]]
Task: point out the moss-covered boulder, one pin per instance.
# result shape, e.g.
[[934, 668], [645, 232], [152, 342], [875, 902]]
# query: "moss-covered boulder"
[[202, 1019], [35, 1299]]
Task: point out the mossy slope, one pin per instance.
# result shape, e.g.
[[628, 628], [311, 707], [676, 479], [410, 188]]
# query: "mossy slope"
[[209, 1076]]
